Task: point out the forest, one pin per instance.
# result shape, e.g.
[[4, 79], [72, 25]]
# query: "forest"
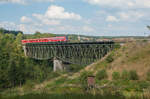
[[15, 68]]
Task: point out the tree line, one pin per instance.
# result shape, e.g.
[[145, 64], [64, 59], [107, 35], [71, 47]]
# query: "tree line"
[[15, 68]]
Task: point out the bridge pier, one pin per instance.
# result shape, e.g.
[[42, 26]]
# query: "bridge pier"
[[25, 52], [58, 65]]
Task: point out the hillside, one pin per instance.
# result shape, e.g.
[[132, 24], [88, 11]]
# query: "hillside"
[[133, 56], [125, 71]]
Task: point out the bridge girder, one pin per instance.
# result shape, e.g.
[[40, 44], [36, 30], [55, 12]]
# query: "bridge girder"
[[77, 53]]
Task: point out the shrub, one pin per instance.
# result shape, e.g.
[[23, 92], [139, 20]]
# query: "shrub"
[[148, 75], [60, 80], [83, 77], [28, 85], [133, 75], [115, 75], [53, 75], [109, 58], [145, 40], [75, 67], [143, 84], [117, 46], [102, 74], [125, 75]]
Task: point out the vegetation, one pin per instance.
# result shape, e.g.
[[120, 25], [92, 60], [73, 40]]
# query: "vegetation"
[[83, 78], [2, 30], [116, 75], [133, 75], [66, 96], [124, 72], [15, 68], [125, 75], [102, 74], [148, 75], [110, 59]]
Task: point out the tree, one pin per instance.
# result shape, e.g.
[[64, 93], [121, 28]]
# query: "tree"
[[2, 30], [15, 68], [12, 73], [148, 27]]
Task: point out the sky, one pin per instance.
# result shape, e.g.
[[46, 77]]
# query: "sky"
[[84, 17]]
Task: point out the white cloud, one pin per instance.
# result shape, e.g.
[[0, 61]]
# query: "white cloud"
[[46, 21], [25, 19], [111, 19], [24, 1], [52, 17], [8, 25], [128, 16], [87, 29], [33, 27], [50, 22], [21, 27], [28, 28], [54, 14], [110, 26], [122, 3], [131, 15], [57, 12], [13, 1], [38, 16], [43, 0]]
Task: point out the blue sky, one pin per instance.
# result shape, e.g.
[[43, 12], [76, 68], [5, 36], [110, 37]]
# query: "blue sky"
[[87, 17]]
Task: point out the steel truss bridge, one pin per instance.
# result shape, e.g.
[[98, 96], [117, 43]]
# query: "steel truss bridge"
[[76, 53]]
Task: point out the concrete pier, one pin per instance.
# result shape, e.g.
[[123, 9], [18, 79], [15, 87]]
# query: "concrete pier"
[[25, 52], [58, 65]]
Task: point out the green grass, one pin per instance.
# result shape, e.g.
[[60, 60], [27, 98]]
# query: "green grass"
[[64, 96], [72, 96]]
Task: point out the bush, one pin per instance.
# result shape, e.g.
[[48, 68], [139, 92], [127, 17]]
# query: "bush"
[[109, 58], [117, 46], [115, 75], [83, 77], [28, 85], [102, 74], [145, 40], [60, 81], [148, 75], [143, 84], [125, 75], [133, 75], [75, 67], [53, 75]]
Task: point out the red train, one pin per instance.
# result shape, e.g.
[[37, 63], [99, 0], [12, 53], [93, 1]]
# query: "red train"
[[51, 39]]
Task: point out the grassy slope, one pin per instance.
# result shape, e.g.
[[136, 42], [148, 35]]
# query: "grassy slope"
[[131, 56]]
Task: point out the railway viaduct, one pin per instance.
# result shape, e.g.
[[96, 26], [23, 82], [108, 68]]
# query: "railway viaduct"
[[76, 53]]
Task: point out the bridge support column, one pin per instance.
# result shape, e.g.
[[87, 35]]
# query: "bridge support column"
[[58, 65], [25, 52]]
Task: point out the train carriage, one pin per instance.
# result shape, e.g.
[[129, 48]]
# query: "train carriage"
[[51, 39]]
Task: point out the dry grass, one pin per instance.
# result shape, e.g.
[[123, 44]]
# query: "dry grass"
[[133, 56]]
